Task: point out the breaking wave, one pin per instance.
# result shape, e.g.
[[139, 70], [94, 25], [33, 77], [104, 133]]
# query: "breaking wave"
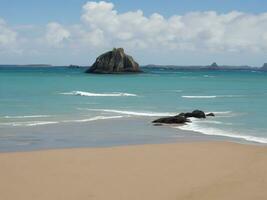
[[126, 112], [29, 123], [199, 97], [39, 123], [212, 96], [196, 127], [89, 94], [94, 119], [26, 116]]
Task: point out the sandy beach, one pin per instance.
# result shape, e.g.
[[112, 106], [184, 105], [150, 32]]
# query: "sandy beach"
[[199, 170]]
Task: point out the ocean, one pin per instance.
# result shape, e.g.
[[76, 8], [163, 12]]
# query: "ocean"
[[60, 107]]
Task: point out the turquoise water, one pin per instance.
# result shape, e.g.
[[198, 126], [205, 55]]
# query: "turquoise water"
[[57, 96]]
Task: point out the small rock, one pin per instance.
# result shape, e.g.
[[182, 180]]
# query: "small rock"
[[178, 119], [210, 115], [195, 114]]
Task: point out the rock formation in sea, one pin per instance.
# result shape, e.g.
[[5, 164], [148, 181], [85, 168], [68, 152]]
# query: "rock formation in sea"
[[73, 66], [115, 61], [182, 118], [178, 119], [210, 115], [196, 114], [213, 66]]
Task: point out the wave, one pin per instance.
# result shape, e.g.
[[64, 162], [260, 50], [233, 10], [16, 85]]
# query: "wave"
[[199, 97], [227, 114], [224, 113], [216, 122], [29, 123], [221, 112], [213, 96], [89, 94], [26, 116], [95, 119], [218, 132], [231, 96], [152, 114], [41, 123], [38, 123], [125, 112]]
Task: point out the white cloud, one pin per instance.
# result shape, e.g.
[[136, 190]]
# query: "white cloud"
[[8, 37], [56, 34], [209, 31]]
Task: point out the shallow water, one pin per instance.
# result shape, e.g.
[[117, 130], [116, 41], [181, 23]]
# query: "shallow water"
[[32, 99]]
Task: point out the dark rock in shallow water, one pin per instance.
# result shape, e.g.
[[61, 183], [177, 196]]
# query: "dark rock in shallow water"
[[198, 114], [178, 119], [182, 118], [210, 115], [195, 114], [115, 61]]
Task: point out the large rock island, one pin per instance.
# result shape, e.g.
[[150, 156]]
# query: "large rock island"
[[115, 61]]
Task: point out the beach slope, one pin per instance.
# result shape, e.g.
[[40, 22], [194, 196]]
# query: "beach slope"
[[199, 170]]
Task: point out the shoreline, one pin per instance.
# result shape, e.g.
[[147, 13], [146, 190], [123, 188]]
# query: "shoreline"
[[191, 142], [189, 170], [201, 139], [122, 132]]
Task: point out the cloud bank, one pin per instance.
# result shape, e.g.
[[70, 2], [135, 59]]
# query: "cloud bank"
[[103, 27], [234, 31]]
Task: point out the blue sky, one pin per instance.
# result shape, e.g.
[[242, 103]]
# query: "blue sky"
[[76, 31], [68, 11]]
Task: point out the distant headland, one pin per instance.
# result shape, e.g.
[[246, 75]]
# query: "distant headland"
[[213, 66], [26, 65]]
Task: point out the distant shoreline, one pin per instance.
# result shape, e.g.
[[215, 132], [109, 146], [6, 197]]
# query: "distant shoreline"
[[26, 65], [152, 66], [195, 67]]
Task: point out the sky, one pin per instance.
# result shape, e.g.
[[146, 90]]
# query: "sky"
[[179, 32]]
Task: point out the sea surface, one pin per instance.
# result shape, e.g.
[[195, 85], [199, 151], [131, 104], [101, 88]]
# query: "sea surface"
[[60, 107]]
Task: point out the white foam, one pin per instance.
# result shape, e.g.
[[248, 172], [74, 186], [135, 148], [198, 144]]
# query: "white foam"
[[226, 114], [231, 96], [199, 97], [194, 126], [221, 112], [26, 116], [95, 118], [216, 122], [125, 112], [213, 96], [39, 123], [29, 123], [89, 94]]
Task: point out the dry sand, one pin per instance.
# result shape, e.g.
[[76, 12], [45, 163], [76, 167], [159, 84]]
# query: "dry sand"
[[209, 170]]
